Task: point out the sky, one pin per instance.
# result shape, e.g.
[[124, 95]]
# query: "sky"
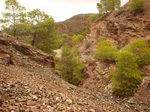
[[60, 10]]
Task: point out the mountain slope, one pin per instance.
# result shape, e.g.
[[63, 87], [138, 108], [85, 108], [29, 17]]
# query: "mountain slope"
[[120, 27], [28, 82], [73, 24]]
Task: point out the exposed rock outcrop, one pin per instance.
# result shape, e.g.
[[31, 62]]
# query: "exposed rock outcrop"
[[120, 27], [73, 24], [28, 82]]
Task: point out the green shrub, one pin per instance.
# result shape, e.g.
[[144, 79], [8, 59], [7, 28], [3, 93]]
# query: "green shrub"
[[84, 30], [137, 6], [105, 50], [56, 59], [57, 67], [126, 77], [141, 51], [76, 52], [71, 67], [67, 40], [77, 38], [64, 36], [93, 17], [28, 40]]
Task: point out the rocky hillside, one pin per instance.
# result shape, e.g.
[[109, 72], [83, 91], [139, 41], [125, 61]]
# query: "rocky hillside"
[[74, 24], [28, 82], [120, 27]]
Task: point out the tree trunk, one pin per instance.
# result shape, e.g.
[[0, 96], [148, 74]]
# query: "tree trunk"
[[33, 41], [15, 32]]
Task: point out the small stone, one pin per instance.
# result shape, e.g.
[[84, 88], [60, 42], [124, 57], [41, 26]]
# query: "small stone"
[[57, 98], [69, 101], [131, 101], [92, 110], [34, 97]]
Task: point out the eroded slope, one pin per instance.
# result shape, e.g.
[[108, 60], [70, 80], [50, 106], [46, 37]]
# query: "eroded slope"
[[120, 27]]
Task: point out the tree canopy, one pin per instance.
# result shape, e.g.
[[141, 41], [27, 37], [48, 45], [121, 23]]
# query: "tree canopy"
[[13, 16], [47, 37], [137, 6], [126, 75], [106, 6], [71, 67], [106, 50], [35, 24], [141, 51]]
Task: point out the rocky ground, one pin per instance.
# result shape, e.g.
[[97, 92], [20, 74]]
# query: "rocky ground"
[[121, 28], [29, 83]]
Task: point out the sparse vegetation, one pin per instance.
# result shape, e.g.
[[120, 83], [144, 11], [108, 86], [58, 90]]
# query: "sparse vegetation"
[[126, 76], [93, 17], [87, 44], [84, 30], [137, 6], [141, 51], [105, 50]]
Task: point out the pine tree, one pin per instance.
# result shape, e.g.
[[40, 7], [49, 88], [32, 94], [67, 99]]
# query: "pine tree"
[[71, 66], [47, 38], [105, 50], [137, 6], [77, 38], [126, 76], [42, 29], [141, 51], [106, 6], [13, 17]]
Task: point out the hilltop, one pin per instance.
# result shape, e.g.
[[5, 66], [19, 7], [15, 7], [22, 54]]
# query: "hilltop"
[[73, 24]]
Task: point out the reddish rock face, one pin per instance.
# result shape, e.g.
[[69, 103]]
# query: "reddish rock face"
[[121, 28], [73, 24], [12, 47]]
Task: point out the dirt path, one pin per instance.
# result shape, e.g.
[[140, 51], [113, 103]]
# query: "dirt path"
[[59, 52]]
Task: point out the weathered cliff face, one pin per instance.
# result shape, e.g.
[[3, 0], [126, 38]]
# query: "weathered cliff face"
[[15, 51], [74, 24], [120, 27]]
